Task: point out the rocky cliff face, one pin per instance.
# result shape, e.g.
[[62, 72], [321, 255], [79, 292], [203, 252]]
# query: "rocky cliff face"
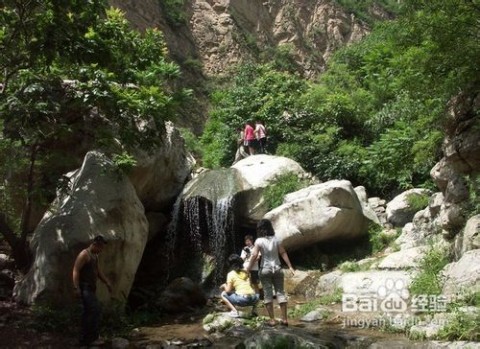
[[461, 160], [215, 34], [208, 37]]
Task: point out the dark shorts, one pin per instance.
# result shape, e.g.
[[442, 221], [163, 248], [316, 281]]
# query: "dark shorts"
[[252, 143], [254, 277]]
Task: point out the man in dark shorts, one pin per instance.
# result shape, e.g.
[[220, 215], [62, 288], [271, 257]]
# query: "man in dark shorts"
[[85, 274]]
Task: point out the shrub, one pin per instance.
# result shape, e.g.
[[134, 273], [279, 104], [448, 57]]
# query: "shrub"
[[379, 239], [428, 282], [192, 143], [417, 202], [349, 266], [473, 184], [284, 184], [462, 327], [174, 11]]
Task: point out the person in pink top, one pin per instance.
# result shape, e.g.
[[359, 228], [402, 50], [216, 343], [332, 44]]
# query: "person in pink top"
[[250, 139], [261, 135]]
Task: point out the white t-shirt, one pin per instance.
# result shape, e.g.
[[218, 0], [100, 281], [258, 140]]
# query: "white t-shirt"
[[247, 260], [269, 249], [260, 131]]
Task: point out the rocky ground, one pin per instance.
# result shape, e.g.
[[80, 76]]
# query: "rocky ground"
[[20, 328], [17, 330]]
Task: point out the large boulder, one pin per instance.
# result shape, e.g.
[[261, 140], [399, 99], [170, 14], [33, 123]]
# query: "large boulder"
[[462, 277], [400, 210], [321, 212], [100, 200], [181, 295], [471, 235], [257, 173], [159, 176], [376, 285], [245, 181], [461, 158], [368, 210], [404, 259], [215, 203]]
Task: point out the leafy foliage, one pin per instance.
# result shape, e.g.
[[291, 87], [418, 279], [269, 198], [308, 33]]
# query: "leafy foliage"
[[47, 319], [174, 11], [377, 116], [364, 9], [74, 73], [284, 184], [473, 184], [379, 239], [461, 327], [417, 201], [428, 280], [257, 93]]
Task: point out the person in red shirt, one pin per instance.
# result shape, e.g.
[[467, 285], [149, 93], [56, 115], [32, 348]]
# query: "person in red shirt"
[[250, 139]]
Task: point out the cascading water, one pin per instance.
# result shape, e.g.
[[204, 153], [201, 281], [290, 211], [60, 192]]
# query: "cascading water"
[[220, 232], [204, 216]]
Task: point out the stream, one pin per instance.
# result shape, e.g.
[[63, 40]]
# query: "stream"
[[186, 331]]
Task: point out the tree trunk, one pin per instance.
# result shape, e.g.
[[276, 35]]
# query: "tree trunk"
[[21, 252]]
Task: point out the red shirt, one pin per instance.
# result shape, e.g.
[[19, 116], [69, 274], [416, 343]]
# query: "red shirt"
[[249, 133]]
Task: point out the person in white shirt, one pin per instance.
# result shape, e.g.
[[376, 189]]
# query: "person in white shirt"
[[271, 273], [261, 135], [246, 255]]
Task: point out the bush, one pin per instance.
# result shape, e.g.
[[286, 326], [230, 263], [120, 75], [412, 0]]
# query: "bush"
[[379, 239], [473, 184], [428, 281], [174, 11], [462, 327], [282, 185], [417, 202]]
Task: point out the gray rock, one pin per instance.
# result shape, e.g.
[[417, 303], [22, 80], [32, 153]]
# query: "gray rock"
[[326, 211], [399, 211], [100, 200], [462, 276]]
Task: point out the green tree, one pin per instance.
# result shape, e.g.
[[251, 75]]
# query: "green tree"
[[258, 92], [73, 71]]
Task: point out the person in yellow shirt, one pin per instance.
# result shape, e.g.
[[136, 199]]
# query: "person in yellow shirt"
[[238, 291]]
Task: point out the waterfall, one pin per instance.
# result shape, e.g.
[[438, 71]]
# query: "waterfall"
[[220, 233], [204, 218]]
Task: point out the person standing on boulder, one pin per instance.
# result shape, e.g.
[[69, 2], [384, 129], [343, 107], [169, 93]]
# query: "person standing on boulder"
[[261, 135], [249, 137], [241, 153], [85, 274], [271, 273]]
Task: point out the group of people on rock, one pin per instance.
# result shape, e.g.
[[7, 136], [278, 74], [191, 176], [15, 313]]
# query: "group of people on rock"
[[252, 140], [242, 286]]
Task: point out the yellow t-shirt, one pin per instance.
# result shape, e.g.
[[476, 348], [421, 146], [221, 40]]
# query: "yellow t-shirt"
[[240, 282]]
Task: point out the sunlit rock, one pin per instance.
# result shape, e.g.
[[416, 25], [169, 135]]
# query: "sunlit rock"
[[321, 212], [99, 200]]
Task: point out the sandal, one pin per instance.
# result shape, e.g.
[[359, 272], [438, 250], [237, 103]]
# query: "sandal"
[[284, 323], [271, 323]]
